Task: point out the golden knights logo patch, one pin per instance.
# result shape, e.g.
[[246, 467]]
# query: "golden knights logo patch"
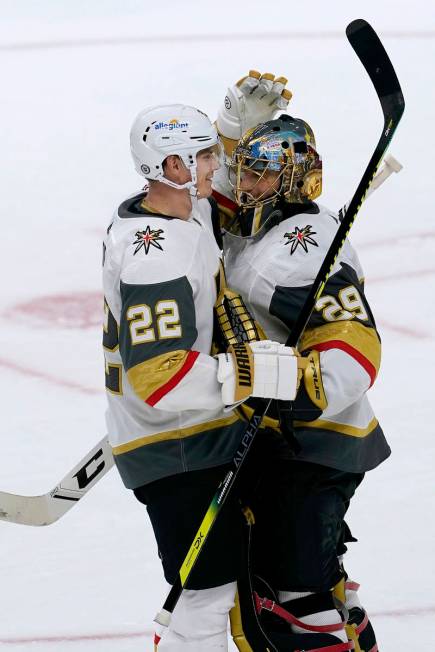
[[148, 238], [300, 237]]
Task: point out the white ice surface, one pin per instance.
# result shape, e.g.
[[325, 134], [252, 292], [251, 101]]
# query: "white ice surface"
[[71, 85]]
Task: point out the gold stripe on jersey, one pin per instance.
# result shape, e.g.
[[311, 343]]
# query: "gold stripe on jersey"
[[149, 209], [362, 338], [246, 413], [147, 377], [342, 428], [319, 424], [174, 434]]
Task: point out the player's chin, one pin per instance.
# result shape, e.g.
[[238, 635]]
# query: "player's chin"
[[205, 189]]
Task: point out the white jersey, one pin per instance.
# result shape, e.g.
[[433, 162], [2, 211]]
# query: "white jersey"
[[274, 271], [160, 277]]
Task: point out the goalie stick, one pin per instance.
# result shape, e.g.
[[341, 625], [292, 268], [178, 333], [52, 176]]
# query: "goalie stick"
[[374, 58], [50, 507]]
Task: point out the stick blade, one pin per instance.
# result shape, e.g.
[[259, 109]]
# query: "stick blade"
[[26, 510], [50, 507]]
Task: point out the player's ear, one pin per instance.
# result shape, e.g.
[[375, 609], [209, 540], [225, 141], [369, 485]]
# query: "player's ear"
[[170, 162], [173, 166]]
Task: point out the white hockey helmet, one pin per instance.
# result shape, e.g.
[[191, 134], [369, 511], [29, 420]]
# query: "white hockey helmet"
[[172, 129]]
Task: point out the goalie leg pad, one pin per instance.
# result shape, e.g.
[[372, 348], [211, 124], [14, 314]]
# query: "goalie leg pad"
[[199, 621], [310, 623], [358, 627]]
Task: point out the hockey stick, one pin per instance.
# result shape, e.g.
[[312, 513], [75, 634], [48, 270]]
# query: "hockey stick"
[[372, 55], [50, 507]]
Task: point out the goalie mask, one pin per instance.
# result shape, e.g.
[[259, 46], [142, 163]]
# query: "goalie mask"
[[276, 161], [174, 129]]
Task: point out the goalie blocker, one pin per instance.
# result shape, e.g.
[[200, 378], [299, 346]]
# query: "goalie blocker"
[[263, 369]]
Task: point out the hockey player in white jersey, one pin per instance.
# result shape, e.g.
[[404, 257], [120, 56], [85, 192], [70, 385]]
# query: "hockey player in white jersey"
[[279, 237], [169, 420]]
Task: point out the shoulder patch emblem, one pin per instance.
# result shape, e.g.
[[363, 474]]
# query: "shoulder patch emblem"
[[302, 237], [148, 238]]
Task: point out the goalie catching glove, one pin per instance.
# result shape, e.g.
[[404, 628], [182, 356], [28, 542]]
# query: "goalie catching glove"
[[263, 369], [252, 100]]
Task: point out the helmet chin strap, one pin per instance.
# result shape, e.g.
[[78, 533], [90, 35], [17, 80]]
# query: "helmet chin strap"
[[189, 185]]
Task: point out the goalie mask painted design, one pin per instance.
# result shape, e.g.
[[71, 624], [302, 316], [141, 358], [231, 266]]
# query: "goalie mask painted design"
[[277, 160]]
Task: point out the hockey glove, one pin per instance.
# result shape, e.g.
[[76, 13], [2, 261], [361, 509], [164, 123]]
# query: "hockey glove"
[[263, 369], [236, 323], [252, 100]]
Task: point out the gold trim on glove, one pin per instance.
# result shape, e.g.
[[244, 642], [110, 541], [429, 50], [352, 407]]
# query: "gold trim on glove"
[[229, 144], [244, 368], [313, 380], [235, 321]]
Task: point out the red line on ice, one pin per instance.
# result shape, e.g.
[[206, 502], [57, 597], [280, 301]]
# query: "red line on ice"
[[74, 310], [42, 375], [419, 611], [77, 638]]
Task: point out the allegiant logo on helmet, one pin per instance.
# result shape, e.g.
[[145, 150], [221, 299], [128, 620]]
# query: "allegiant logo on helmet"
[[172, 124]]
